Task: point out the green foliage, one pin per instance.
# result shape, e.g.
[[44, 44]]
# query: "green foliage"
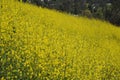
[[39, 44], [99, 13], [115, 14], [87, 13]]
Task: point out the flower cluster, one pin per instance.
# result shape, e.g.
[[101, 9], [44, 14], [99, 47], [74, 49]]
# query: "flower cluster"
[[41, 44]]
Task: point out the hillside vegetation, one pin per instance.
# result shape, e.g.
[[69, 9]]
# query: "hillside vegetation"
[[41, 44]]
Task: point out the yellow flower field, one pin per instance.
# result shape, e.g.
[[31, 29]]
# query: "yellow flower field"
[[41, 44]]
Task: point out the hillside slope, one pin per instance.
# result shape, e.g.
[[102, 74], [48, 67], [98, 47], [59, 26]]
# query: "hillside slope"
[[41, 44]]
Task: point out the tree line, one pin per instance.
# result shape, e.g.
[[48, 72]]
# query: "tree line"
[[102, 9]]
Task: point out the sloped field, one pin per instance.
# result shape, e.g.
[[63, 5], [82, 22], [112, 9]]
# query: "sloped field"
[[42, 44]]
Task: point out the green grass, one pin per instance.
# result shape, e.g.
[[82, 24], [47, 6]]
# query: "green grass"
[[41, 44]]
